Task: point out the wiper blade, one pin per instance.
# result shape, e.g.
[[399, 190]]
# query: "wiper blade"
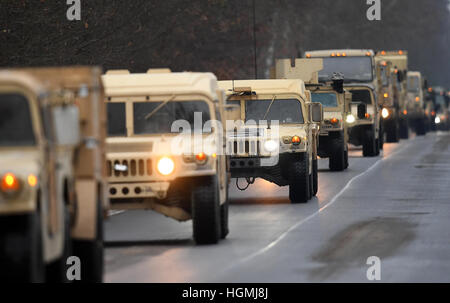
[[270, 106], [159, 107]]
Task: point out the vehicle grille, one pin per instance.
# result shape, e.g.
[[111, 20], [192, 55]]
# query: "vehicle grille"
[[134, 168], [242, 147]]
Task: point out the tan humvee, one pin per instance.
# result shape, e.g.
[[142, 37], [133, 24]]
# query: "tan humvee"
[[393, 100], [151, 164], [358, 70], [336, 102], [52, 169], [277, 135], [416, 103]]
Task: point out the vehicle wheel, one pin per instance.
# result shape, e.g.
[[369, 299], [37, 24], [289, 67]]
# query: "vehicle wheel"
[[315, 178], [377, 147], [224, 230], [56, 271], [299, 180], [369, 144], [420, 129], [21, 252], [206, 211], [392, 133], [91, 253], [337, 156], [404, 131], [346, 159]]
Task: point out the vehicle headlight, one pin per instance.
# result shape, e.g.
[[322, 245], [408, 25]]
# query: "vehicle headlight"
[[271, 146], [166, 166], [437, 120], [350, 119], [10, 184], [385, 113]]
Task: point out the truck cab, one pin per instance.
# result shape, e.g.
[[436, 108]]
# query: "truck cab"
[[359, 71]]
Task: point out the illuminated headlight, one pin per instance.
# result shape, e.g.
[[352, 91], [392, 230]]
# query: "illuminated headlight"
[[271, 146], [437, 120], [10, 184], [166, 166], [350, 119], [385, 113]]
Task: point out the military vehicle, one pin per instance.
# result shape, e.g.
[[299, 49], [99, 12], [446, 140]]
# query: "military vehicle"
[[52, 197], [277, 136], [336, 103], [441, 107], [161, 154], [358, 70], [416, 103]]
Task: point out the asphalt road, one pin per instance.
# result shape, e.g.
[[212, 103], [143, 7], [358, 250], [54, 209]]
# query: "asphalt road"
[[395, 207]]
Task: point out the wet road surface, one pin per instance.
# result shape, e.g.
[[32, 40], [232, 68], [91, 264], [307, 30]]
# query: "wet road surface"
[[395, 207]]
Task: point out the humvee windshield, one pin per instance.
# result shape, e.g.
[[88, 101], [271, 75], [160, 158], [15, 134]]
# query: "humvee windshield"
[[361, 95], [326, 99], [354, 69], [413, 84], [16, 127], [283, 110], [161, 121], [116, 120]]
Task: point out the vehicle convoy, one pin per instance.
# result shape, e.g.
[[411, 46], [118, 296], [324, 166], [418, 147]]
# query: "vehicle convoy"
[[165, 147], [392, 67], [416, 103], [336, 103], [52, 134], [440, 101], [358, 70], [277, 135]]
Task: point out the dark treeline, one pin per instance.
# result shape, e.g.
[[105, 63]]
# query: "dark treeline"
[[217, 35]]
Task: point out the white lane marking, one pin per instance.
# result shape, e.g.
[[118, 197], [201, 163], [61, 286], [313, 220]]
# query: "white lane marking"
[[115, 212], [296, 225]]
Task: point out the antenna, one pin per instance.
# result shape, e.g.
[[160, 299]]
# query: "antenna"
[[254, 39]]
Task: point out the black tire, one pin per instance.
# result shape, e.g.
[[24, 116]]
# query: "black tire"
[[377, 147], [369, 144], [404, 131], [91, 253], [21, 252], [337, 156], [224, 210], [315, 178], [206, 211], [56, 272], [420, 128], [346, 159], [299, 180], [392, 133]]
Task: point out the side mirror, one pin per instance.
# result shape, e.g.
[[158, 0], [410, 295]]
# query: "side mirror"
[[232, 112], [316, 112]]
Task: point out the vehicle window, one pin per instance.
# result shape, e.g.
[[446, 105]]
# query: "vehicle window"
[[326, 99], [413, 84], [16, 126], [361, 95], [162, 120], [283, 110], [116, 119], [357, 69]]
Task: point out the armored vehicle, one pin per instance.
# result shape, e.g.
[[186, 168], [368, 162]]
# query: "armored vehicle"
[[52, 132], [358, 70], [277, 135], [165, 147]]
